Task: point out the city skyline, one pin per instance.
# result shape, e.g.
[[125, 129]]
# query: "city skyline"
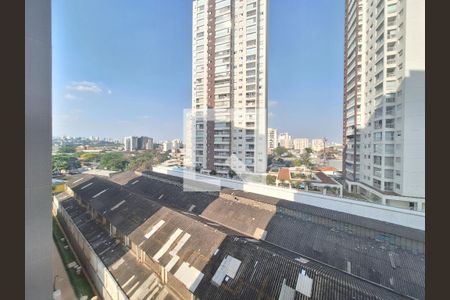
[[105, 96]]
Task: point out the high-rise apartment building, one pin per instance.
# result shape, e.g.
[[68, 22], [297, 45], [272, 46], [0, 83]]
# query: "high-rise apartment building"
[[301, 144], [317, 144], [228, 122], [130, 143], [272, 138], [384, 101], [133, 143], [285, 140]]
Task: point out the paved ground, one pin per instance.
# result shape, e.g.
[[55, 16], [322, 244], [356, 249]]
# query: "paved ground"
[[62, 281]]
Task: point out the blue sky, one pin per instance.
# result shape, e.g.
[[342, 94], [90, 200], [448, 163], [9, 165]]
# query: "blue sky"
[[124, 68]]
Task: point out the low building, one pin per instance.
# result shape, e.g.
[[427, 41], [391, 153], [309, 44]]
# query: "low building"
[[283, 177], [148, 236]]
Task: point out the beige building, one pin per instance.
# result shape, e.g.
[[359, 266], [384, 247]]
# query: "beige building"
[[227, 127], [301, 144], [384, 101]]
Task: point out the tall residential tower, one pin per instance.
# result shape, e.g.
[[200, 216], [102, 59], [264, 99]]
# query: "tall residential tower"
[[384, 101], [228, 121]]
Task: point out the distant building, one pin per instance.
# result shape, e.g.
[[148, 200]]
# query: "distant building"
[[301, 144], [134, 143], [285, 140], [130, 143], [171, 145], [145, 143], [317, 145], [272, 138]]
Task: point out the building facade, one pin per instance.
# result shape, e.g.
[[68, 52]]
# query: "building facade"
[[317, 144], [134, 143], [171, 145], [228, 124], [130, 143], [301, 144], [144, 143], [285, 140], [272, 138], [384, 101]]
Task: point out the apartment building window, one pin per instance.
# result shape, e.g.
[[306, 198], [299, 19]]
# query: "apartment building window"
[[377, 183], [389, 135], [377, 148], [378, 124], [377, 160], [390, 110], [390, 123], [378, 112], [397, 172], [389, 174], [377, 172], [389, 149], [377, 136], [397, 186], [389, 161], [388, 186]]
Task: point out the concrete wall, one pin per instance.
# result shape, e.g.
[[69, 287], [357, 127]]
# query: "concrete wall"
[[385, 213], [38, 225]]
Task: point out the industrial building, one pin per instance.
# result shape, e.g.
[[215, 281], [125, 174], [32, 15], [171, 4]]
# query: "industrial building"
[[232, 244]]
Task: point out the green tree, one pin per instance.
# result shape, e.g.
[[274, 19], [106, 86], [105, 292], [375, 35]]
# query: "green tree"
[[67, 149], [297, 162], [270, 180], [90, 157], [231, 173], [64, 162], [114, 161], [146, 160], [280, 150]]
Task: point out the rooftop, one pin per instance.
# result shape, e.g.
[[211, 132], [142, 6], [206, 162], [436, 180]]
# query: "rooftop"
[[153, 208]]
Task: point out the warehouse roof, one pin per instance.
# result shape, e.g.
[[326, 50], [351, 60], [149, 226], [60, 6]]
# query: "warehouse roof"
[[133, 277], [187, 244]]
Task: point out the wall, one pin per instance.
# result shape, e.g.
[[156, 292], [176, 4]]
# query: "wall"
[[38, 222], [389, 214], [413, 177]]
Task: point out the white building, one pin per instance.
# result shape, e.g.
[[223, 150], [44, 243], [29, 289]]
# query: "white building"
[[272, 138], [227, 127], [301, 144], [285, 140], [134, 143], [317, 145], [130, 143], [172, 145], [384, 101]]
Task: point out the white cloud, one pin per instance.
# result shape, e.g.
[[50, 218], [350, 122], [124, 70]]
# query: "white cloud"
[[109, 92], [273, 103], [85, 86], [71, 97]]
